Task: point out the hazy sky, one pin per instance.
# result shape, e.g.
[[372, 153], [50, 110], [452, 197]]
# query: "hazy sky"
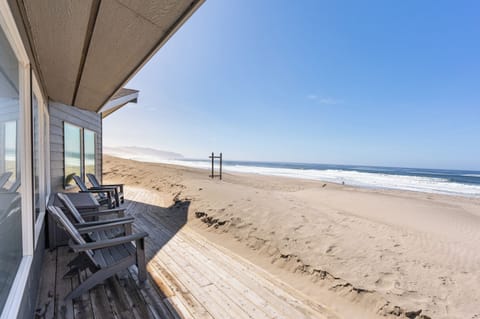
[[393, 83]]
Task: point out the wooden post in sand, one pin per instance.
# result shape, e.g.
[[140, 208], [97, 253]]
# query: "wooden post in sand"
[[213, 163], [220, 166], [213, 157]]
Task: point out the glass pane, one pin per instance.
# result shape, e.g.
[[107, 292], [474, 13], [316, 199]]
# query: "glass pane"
[[72, 152], [89, 149], [10, 198], [10, 151], [36, 157]]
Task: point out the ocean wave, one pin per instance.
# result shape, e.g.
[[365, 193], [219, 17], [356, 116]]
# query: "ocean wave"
[[380, 180]]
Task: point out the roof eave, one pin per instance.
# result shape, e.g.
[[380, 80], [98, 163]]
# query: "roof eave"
[[180, 21]]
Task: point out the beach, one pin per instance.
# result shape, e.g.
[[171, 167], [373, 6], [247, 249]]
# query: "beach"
[[365, 253]]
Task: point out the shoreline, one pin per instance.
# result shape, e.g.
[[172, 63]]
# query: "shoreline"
[[346, 182], [366, 253]]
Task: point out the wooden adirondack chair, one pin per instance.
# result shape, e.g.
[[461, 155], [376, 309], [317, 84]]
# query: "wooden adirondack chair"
[[80, 221], [105, 195], [94, 181], [104, 257]]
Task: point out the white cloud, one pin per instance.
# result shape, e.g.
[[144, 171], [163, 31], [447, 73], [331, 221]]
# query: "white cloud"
[[329, 101], [324, 99]]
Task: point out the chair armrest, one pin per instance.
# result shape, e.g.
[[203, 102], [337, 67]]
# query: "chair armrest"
[[96, 228], [107, 243], [112, 185], [102, 190], [104, 221], [117, 211]]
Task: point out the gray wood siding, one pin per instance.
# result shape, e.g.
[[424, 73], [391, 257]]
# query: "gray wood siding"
[[60, 113]]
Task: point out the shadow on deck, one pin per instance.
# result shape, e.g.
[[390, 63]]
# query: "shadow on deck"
[[189, 277], [120, 296]]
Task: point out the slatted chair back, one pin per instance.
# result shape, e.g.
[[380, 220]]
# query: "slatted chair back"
[[84, 187], [14, 187], [63, 222], [67, 203], [93, 180], [13, 208], [80, 183], [4, 178]]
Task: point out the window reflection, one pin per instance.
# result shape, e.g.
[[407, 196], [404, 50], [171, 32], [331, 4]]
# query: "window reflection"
[[10, 198], [72, 152], [89, 151]]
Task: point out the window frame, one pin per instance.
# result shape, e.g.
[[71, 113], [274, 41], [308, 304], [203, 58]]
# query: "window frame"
[[94, 153], [82, 153], [82, 171], [14, 299], [44, 160]]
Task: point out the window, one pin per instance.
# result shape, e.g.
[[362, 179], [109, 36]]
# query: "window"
[[79, 155], [72, 152], [89, 151], [10, 199]]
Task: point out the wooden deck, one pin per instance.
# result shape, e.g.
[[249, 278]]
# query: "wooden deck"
[[190, 277]]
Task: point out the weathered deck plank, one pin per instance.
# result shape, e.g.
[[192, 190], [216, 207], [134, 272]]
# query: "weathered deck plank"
[[46, 301], [117, 298], [226, 286], [189, 277]]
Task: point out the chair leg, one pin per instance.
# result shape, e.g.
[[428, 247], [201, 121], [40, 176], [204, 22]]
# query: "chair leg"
[[79, 259], [99, 277], [128, 229], [141, 264]]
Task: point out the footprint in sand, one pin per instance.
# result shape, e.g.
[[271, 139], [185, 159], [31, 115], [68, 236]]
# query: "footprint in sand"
[[331, 249], [386, 281]]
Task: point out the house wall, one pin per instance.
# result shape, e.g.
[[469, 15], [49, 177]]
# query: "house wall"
[[27, 307], [60, 113]]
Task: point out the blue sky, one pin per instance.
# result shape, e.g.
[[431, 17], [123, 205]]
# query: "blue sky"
[[394, 83]]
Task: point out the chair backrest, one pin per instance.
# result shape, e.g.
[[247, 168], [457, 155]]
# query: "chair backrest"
[[71, 208], [93, 180], [4, 178], [84, 187], [14, 187], [13, 207], [63, 222], [80, 183]]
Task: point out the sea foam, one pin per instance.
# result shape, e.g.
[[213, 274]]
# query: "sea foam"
[[353, 177]]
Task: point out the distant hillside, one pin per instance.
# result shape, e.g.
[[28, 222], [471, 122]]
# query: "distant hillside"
[[144, 154]]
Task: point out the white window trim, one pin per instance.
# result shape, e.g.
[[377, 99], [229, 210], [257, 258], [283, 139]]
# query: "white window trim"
[[12, 305], [43, 177], [14, 299], [48, 188]]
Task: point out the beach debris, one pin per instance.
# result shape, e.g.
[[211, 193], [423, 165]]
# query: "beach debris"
[[200, 214], [324, 185], [413, 314], [209, 220]]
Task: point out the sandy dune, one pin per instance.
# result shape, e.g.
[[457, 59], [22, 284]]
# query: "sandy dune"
[[363, 253]]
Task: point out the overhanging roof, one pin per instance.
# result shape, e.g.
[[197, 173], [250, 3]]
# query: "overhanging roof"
[[84, 51], [118, 100]]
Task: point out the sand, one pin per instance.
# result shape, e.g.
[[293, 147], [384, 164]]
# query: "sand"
[[364, 253]]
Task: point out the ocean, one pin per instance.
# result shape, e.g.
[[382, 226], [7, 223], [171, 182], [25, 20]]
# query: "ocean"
[[451, 182], [442, 181]]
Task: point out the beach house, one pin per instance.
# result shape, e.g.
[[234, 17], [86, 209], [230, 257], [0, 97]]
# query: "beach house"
[[63, 67]]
